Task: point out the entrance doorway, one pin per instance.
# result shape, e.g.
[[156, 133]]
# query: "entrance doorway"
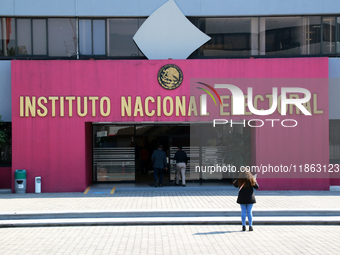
[[122, 152], [148, 138]]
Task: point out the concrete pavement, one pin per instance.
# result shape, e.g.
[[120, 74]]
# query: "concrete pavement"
[[194, 204], [200, 220], [170, 239]]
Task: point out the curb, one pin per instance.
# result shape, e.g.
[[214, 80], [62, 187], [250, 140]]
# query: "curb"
[[334, 188], [165, 213], [171, 221]]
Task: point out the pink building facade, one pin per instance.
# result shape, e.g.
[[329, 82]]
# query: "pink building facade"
[[55, 105]]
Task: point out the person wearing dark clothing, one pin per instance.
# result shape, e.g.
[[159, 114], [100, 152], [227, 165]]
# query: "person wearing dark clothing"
[[246, 198], [181, 164], [159, 164]]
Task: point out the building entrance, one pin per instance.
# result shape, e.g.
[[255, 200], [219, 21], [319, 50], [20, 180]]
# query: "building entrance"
[[147, 140], [122, 152]]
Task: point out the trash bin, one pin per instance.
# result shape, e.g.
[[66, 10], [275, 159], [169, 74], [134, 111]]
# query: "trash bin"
[[38, 184], [20, 181]]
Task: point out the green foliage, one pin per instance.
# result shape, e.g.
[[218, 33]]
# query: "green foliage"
[[11, 51], [238, 149], [3, 135]]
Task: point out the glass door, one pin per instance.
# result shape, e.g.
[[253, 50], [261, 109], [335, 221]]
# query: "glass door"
[[113, 153], [145, 145]]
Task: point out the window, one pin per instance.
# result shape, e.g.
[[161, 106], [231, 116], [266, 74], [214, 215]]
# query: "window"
[[113, 37], [120, 34], [85, 37], [31, 35], [39, 37], [230, 36], [8, 42], [62, 40], [92, 37], [290, 35], [24, 37], [1, 42], [10, 37], [338, 35], [334, 141], [313, 38], [99, 37], [328, 38]]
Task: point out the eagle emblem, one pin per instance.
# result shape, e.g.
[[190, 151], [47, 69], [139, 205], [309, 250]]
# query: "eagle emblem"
[[170, 76]]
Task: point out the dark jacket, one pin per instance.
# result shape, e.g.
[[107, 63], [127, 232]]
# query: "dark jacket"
[[246, 194], [159, 159], [181, 157]]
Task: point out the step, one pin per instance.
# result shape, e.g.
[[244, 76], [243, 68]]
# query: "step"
[[335, 220], [168, 213]]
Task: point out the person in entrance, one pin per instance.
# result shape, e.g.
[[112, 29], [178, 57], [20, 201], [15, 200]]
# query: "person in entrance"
[[159, 163], [181, 163]]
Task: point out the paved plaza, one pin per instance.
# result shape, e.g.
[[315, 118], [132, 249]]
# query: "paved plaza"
[[169, 239], [165, 198], [186, 239]]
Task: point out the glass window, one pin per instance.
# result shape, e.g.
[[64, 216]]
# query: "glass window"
[[1, 42], [99, 37], [120, 34], [282, 36], [338, 35], [328, 38], [290, 35], [247, 36], [24, 37], [92, 37], [85, 38], [334, 141], [313, 35], [230, 36], [113, 153], [8, 37], [39, 37], [62, 39]]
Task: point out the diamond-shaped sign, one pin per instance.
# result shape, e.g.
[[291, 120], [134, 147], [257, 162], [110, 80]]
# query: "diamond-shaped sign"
[[167, 33]]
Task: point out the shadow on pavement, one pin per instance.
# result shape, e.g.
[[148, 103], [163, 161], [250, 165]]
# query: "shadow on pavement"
[[215, 233]]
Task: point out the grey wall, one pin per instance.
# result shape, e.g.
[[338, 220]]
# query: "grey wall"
[[132, 8], [334, 88], [5, 91]]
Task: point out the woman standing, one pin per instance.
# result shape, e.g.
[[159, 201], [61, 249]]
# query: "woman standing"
[[246, 198]]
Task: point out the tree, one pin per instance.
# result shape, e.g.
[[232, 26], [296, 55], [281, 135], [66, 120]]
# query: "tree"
[[3, 135]]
